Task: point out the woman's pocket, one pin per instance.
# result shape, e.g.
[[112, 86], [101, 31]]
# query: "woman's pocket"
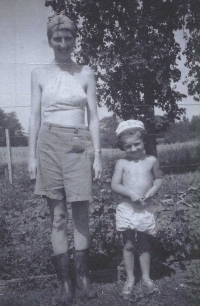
[[79, 144]]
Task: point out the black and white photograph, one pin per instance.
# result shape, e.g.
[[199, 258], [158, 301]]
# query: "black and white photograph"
[[100, 153]]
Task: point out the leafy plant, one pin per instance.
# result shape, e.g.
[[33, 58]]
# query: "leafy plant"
[[177, 225]]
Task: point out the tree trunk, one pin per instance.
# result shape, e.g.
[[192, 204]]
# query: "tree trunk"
[[149, 116], [150, 145]]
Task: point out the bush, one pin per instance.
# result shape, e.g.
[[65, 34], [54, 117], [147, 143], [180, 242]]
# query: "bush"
[[178, 226], [178, 132]]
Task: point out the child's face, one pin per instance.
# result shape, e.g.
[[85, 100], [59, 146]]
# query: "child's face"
[[133, 145]]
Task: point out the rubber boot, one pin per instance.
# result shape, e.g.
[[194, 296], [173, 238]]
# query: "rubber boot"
[[61, 264], [81, 263]]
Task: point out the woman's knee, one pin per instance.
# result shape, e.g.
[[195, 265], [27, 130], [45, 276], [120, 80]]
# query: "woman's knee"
[[59, 221], [59, 215]]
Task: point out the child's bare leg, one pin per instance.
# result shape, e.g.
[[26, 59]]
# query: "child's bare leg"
[[144, 254], [129, 261], [145, 268], [145, 265], [128, 254]]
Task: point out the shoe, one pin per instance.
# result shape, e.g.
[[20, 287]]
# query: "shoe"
[[61, 264], [150, 286], [81, 263]]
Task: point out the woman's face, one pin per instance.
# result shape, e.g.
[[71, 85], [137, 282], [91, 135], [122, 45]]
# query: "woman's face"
[[62, 42]]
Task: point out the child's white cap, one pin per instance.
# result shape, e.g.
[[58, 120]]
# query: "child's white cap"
[[129, 124]]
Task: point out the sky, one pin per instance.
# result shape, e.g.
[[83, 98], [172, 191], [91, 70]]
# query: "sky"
[[24, 46]]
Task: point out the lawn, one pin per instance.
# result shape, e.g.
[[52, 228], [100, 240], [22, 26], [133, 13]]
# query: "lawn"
[[174, 292]]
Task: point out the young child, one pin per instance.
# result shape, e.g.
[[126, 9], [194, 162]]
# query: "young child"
[[137, 178]]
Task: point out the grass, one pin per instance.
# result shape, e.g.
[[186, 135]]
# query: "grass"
[[174, 292]]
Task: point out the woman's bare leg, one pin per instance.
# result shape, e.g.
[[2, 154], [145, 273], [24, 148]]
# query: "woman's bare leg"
[[59, 218]]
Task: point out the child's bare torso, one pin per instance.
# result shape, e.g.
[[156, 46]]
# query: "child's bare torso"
[[137, 175]]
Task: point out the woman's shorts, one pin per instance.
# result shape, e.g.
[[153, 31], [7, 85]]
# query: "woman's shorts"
[[128, 218], [64, 163]]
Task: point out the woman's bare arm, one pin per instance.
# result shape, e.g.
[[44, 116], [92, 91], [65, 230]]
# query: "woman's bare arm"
[[93, 121], [34, 122]]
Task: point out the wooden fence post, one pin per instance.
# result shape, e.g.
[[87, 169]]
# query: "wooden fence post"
[[9, 155]]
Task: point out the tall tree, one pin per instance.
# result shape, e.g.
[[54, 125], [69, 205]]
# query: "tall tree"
[[132, 48], [10, 121]]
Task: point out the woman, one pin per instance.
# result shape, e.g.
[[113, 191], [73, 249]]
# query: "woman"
[[59, 145]]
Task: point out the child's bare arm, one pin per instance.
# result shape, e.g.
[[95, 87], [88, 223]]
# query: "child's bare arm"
[[117, 184], [157, 174]]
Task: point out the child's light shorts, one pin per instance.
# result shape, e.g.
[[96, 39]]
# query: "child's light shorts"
[[64, 163], [127, 218]]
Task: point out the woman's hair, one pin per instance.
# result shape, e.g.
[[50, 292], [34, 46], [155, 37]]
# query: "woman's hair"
[[120, 138], [60, 22]]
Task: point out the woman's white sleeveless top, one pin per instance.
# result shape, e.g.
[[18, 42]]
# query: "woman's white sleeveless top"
[[61, 94]]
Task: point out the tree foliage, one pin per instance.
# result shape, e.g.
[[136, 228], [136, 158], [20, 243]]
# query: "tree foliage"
[[131, 47], [195, 126], [178, 132], [108, 126], [192, 51], [183, 130], [10, 121]]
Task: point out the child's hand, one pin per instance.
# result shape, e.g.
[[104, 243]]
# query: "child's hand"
[[150, 193], [135, 197], [97, 167], [143, 201]]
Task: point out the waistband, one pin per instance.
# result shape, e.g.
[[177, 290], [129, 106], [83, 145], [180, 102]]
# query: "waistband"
[[137, 204], [73, 129]]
